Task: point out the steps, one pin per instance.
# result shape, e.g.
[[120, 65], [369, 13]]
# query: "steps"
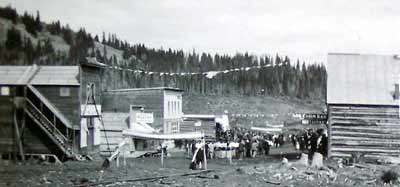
[[47, 125]]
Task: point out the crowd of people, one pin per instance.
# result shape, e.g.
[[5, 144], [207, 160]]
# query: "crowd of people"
[[240, 143], [311, 141]]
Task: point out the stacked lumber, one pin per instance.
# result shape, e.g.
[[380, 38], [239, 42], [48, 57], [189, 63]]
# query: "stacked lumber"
[[372, 131]]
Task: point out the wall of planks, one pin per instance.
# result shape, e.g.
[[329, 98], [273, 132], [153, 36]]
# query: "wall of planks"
[[371, 131]]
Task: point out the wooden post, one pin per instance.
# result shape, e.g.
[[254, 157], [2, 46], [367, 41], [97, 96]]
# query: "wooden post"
[[329, 154], [162, 156], [118, 160], [204, 152], [18, 137], [124, 154]]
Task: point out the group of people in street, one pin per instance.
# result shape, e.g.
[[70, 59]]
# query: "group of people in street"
[[311, 141], [239, 143]]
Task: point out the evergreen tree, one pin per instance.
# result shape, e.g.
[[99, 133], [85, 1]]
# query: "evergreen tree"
[[38, 23], [9, 13], [13, 40], [48, 47]]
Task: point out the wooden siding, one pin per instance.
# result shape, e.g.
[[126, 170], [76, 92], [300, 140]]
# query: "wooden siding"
[[90, 75], [114, 123], [69, 106], [372, 131], [6, 124], [34, 140], [151, 100]]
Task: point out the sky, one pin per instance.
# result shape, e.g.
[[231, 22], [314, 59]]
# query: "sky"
[[307, 30]]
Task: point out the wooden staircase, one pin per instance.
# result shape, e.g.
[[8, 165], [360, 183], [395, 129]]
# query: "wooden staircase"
[[49, 127]]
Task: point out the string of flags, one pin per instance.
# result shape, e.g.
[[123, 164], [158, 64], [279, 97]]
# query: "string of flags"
[[208, 74], [295, 115]]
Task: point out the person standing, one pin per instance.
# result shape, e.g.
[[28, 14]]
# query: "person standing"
[[254, 147], [241, 149], [266, 146], [248, 148]]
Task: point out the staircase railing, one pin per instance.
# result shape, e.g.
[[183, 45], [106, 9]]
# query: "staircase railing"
[[51, 107], [38, 114], [48, 125]]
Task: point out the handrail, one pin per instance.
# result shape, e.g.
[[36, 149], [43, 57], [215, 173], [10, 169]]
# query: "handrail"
[[51, 107], [47, 120]]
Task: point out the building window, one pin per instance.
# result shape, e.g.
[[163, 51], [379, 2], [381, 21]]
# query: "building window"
[[65, 92], [5, 91], [396, 92], [169, 108], [174, 108]]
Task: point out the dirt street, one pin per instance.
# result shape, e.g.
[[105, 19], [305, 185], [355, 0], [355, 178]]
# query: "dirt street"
[[259, 171]]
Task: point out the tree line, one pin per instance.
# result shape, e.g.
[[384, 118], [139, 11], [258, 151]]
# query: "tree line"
[[283, 77]]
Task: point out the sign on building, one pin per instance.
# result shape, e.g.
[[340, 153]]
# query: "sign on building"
[[315, 119], [142, 117], [90, 110]]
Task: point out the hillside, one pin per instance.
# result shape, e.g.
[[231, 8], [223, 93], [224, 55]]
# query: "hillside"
[[240, 83], [250, 110]]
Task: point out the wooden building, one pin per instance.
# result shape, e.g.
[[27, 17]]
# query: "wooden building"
[[363, 105], [165, 104], [40, 108]]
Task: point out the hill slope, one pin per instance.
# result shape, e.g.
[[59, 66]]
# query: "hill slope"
[[250, 110], [272, 86]]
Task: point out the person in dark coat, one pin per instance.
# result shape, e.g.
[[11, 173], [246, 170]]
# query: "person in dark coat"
[[193, 147], [265, 146], [200, 157], [241, 149], [313, 143], [323, 145], [248, 148]]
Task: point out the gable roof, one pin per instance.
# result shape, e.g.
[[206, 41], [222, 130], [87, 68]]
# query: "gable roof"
[[362, 79], [39, 75]]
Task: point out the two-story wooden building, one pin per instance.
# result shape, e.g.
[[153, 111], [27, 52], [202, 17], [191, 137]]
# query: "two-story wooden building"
[[40, 109], [120, 108], [165, 103]]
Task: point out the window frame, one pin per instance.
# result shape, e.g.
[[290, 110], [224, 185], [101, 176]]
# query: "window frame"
[[65, 91]]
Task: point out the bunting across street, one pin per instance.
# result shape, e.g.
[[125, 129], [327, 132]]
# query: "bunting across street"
[[207, 74]]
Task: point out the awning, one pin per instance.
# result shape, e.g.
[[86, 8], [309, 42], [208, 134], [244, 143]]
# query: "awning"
[[176, 136], [142, 127], [266, 129]]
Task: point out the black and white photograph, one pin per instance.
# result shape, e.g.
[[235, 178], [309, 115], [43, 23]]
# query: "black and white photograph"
[[200, 93]]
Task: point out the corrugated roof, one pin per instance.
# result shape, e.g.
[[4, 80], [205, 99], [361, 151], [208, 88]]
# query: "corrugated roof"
[[39, 75], [362, 79], [16, 75], [57, 75]]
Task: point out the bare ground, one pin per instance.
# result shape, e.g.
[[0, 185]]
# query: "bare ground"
[[260, 171]]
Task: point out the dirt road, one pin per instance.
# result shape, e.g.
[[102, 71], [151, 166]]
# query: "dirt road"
[[260, 171]]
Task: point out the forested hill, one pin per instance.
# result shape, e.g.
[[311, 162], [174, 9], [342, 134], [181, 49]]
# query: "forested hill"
[[25, 40]]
